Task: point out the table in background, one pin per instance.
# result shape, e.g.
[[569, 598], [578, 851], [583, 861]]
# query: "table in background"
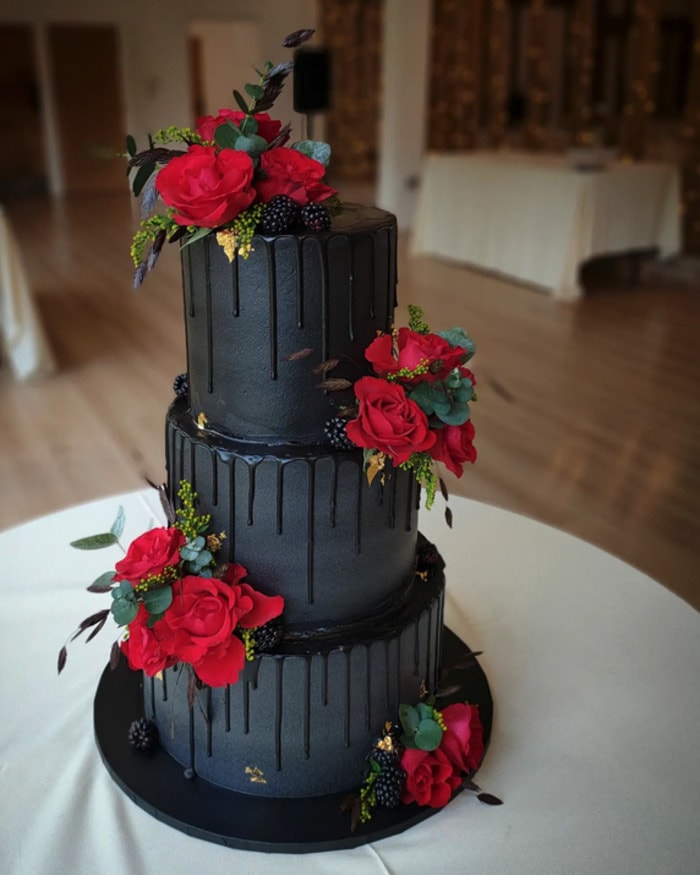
[[596, 742], [22, 339], [537, 219]]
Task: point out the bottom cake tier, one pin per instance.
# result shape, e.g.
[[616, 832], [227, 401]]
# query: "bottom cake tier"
[[301, 721], [154, 780]]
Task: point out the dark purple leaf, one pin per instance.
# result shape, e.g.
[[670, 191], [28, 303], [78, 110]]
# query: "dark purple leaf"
[[448, 516], [469, 660], [356, 814], [165, 502], [489, 799], [334, 385], [282, 137], [470, 785], [299, 354], [140, 274], [443, 489], [62, 657], [92, 620], [442, 692], [97, 628], [114, 655], [155, 250], [326, 366], [98, 587], [298, 37], [154, 156]]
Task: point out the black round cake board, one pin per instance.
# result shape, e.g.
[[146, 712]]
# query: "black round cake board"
[[156, 783]]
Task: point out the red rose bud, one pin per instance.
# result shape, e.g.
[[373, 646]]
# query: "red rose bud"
[[453, 446], [290, 172], [207, 188], [150, 554], [268, 128], [430, 777], [463, 739], [388, 421], [429, 352], [142, 648]]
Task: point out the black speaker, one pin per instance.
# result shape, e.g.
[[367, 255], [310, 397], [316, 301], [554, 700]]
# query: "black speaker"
[[312, 80]]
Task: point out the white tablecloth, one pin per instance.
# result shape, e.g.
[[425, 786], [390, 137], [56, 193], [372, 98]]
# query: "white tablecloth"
[[535, 218], [596, 743], [22, 339]]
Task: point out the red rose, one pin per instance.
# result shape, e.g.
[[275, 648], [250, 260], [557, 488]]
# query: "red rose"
[[254, 608], [389, 421], [290, 172], [430, 777], [150, 554], [268, 128], [453, 446], [463, 739], [414, 349], [205, 187], [142, 648]]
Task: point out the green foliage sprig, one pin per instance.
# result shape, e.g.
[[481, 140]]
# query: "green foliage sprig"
[[424, 471]]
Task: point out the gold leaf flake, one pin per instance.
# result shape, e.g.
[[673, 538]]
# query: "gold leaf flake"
[[256, 775], [158, 676], [228, 242], [201, 420], [374, 466]]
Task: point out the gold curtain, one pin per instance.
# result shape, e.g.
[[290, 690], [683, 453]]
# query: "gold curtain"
[[644, 66], [691, 137], [580, 48], [539, 74], [352, 30], [497, 66], [456, 74]]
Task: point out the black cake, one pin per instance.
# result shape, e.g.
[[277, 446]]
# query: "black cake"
[[362, 632]]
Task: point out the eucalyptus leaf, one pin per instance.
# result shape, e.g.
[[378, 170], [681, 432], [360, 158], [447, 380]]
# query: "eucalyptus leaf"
[[428, 735], [253, 145], [316, 149], [142, 177], [240, 100], [124, 611], [425, 712], [409, 718], [124, 590], [226, 135], [459, 337], [254, 91], [95, 542], [118, 525], [249, 126], [157, 601], [103, 583], [195, 236]]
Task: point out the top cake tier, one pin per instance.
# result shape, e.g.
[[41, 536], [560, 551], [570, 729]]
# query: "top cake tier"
[[258, 328]]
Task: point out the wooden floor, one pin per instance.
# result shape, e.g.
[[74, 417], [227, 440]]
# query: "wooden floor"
[[588, 415]]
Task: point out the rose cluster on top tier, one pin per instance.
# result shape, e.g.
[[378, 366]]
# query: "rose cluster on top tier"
[[209, 186]]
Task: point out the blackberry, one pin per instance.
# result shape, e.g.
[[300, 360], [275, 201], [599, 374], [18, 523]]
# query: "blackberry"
[[181, 385], [389, 785], [267, 637], [385, 758], [316, 217], [143, 734], [336, 434], [280, 214]]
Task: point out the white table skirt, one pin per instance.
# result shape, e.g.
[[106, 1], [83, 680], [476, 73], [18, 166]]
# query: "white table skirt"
[[22, 339], [596, 743], [536, 219]]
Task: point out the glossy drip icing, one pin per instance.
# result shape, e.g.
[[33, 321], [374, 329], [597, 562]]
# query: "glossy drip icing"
[[251, 491], [348, 696], [236, 291], [324, 679], [279, 668], [310, 508], [227, 708], [299, 264], [214, 479], [208, 720], [272, 296], [307, 709], [210, 324], [280, 498], [334, 492]]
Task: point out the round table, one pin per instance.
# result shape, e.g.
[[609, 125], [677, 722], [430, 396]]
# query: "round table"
[[596, 741]]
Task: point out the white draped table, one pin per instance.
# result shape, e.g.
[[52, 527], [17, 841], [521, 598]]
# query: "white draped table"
[[595, 749], [22, 338], [536, 219]]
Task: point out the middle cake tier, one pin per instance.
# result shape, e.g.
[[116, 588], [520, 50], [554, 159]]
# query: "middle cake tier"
[[303, 521]]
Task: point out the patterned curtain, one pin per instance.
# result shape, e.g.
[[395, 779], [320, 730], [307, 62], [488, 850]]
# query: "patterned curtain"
[[691, 164], [644, 65], [352, 30], [456, 75]]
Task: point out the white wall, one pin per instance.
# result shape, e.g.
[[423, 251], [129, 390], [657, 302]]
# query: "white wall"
[[404, 111]]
